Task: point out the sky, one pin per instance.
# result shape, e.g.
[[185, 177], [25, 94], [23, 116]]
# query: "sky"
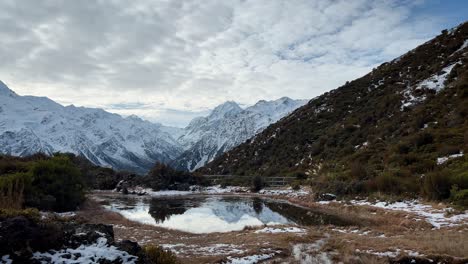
[[168, 61]]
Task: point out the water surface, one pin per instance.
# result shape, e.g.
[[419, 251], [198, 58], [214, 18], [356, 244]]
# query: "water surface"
[[208, 214]]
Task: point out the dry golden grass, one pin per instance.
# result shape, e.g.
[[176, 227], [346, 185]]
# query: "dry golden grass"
[[400, 228]]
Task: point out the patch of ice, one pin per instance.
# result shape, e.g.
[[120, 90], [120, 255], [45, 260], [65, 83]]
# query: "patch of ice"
[[272, 230], [249, 259], [94, 253], [442, 160]]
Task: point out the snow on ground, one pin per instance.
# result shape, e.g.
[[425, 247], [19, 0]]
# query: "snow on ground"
[[66, 214], [217, 189], [288, 192], [436, 81], [198, 190], [353, 231], [437, 217], [442, 160], [273, 230], [310, 253], [94, 253], [6, 259], [249, 259], [212, 250], [463, 46], [391, 254]]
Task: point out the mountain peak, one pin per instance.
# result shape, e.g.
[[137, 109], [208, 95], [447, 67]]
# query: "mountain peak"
[[4, 90], [229, 107]]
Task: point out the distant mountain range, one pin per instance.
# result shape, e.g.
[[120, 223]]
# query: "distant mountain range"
[[30, 124], [205, 138]]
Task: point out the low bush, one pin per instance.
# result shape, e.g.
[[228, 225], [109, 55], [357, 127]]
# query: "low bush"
[[257, 184], [46, 183], [459, 197], [30, 213], [157, 255], [447, 182], [164, 177]]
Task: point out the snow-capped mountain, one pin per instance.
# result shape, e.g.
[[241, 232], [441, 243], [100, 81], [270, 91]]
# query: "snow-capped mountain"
[[227, 126], [30, 124]]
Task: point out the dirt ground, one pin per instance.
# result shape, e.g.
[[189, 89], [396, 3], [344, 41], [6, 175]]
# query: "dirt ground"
[[380, 236]]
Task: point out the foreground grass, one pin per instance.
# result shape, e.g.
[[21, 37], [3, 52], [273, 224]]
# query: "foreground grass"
[[378, 232]]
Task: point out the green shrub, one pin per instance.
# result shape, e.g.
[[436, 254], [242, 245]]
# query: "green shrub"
[[439, 184], [157, 255], [30, 213], [296, 185], [257, 184], [163, 177], [459, 197], [56, 185], [396, 182], [436, 185], [12, 188]]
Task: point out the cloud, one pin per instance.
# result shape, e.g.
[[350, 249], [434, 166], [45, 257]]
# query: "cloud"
[[189, 56]]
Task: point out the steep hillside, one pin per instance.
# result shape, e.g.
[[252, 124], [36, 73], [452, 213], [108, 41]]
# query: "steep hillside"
[[227, 126], [387, 131], [31, 124]]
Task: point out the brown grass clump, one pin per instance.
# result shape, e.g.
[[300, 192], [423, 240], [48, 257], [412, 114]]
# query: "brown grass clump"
[[157, 255]]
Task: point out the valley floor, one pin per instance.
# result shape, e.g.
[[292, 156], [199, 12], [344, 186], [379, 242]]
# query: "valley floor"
[[401, 233]]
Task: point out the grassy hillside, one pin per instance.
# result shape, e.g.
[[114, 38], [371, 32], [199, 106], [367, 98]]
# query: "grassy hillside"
[[382, 132]]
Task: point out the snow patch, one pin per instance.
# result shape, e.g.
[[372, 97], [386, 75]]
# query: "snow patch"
[[463, 46], [436, 81], [391, 254], [249, 259], [287, 192], [436, 217], [6, 259], [310, 253], [212, 250], [442, 160], [272, 230], [94, 253]]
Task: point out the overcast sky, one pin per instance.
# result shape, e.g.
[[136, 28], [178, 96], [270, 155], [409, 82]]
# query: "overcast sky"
[[171, 60]]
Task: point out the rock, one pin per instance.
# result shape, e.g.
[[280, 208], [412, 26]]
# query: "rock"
[[87, 234], [20, 236], [130, 247], [327, 197]]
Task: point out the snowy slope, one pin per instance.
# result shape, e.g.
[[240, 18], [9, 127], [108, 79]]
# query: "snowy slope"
[[31, 124], [226, 127]]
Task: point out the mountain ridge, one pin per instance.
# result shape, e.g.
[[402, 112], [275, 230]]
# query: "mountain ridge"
[[30, 124], [389, 125], [208, 137]]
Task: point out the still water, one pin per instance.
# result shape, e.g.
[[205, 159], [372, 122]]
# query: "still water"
[[208, 214]]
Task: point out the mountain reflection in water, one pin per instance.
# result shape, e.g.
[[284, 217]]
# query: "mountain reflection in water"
[[208, 214]]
